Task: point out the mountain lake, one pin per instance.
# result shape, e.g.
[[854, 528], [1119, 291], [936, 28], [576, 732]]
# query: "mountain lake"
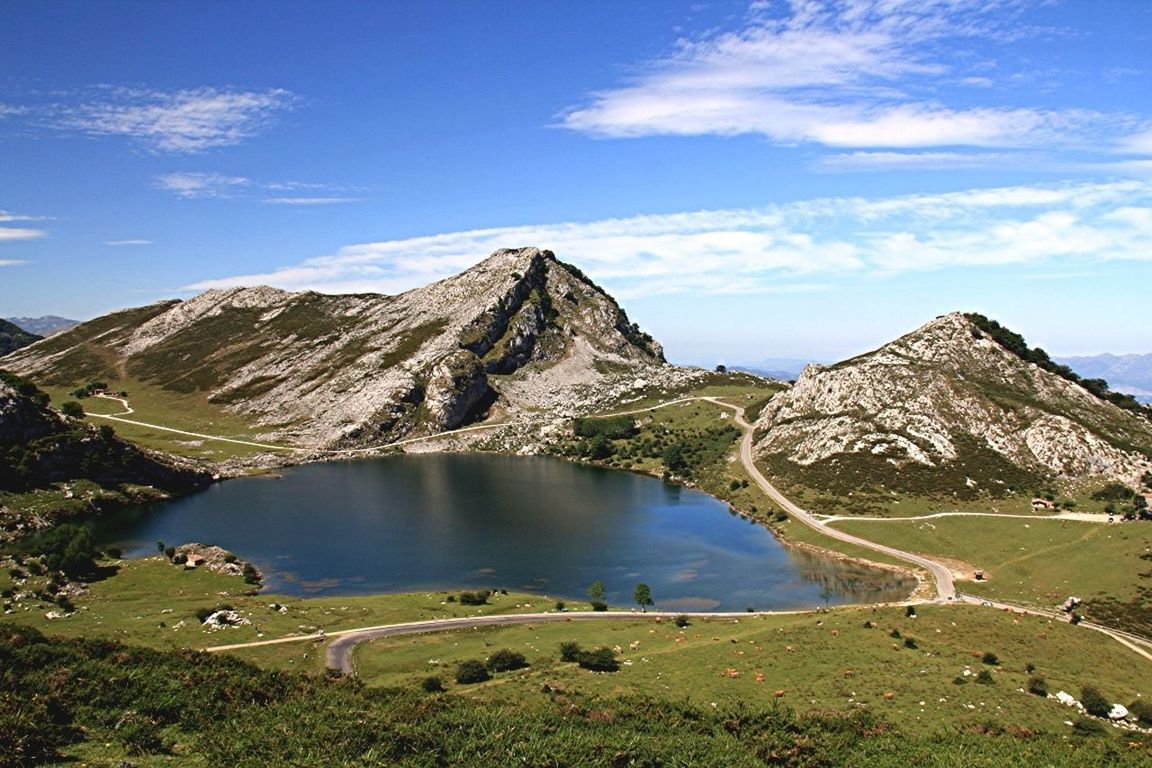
[[482, 521]]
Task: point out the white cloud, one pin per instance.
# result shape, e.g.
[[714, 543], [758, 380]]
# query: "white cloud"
[[933, 161], [798, 246], [127, 242], [11, 262], [311, 200], [185, 121], [198, 184], [838, 73], [20, 233], [10, 234]]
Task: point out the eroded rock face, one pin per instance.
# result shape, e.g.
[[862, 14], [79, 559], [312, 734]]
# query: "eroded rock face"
[[927, 397], [519, 329]]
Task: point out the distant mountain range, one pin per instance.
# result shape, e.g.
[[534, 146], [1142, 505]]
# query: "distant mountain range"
[[779, 368], [43, 326], [1124, 373]]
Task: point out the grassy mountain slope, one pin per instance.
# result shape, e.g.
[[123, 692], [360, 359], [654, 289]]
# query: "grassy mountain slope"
[[52, 466], [13, 337]]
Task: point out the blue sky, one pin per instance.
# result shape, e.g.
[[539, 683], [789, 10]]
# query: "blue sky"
[[752, 179]]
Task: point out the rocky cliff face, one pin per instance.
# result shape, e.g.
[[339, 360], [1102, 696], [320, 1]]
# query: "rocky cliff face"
[[519, 331], [946, 408]]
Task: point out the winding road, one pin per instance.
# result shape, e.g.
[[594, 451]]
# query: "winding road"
[[338, 656]]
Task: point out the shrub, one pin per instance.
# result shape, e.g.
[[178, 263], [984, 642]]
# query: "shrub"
[[985, 677], [140, 734], [202, 614], [681, 621], [569, 651], [910, 611], [1094, 702], [1142, 711], [990, 658], [894, 634], [598, 660], [475, 598], [31, 731], [1086, 726], [179, 558], [598, 605], [1038, 686], [505, 660], [72, 409], [432, 684], [910, 643], [471, 671], [559, 605]]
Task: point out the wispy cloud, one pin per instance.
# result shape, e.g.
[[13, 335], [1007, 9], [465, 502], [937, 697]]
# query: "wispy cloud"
[[199, 184], [921, 161], [11, 262], [184, 121], [311, 200], [127, 242], [19, 233], [797, 246], [843, 74]]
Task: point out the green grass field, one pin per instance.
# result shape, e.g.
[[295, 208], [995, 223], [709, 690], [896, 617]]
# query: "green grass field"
[[1040, 562], [821, 661], [153, 603], [191, 412]]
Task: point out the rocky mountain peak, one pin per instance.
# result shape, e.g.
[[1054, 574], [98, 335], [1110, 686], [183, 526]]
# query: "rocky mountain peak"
[[950, 398], [520, 330]]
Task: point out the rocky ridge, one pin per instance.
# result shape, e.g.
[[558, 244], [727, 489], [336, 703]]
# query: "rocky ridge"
[[519, 333], [948, 396]]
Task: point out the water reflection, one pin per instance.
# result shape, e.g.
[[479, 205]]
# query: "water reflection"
[[482, 521]]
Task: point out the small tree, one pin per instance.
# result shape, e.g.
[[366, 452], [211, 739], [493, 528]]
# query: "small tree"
[[643, 596], [72, 409], [596, 591], [471, 671]]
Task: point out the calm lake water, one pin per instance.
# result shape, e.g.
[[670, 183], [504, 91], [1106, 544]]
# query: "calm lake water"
[[468, 521]]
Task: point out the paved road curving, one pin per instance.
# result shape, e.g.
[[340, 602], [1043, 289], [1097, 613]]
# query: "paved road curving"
[[945, 588]]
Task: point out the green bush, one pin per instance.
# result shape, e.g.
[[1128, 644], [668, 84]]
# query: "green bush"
[[505, 660], [985, 677], [471, 671], [569, 651], [612, 427], [990, 658], [1086, 726], [681, 621], [475, 598], [1094, 702], [33, 727], [598, 605], [1038, 686], [432, 684], [598, 660], [1142, 711]]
